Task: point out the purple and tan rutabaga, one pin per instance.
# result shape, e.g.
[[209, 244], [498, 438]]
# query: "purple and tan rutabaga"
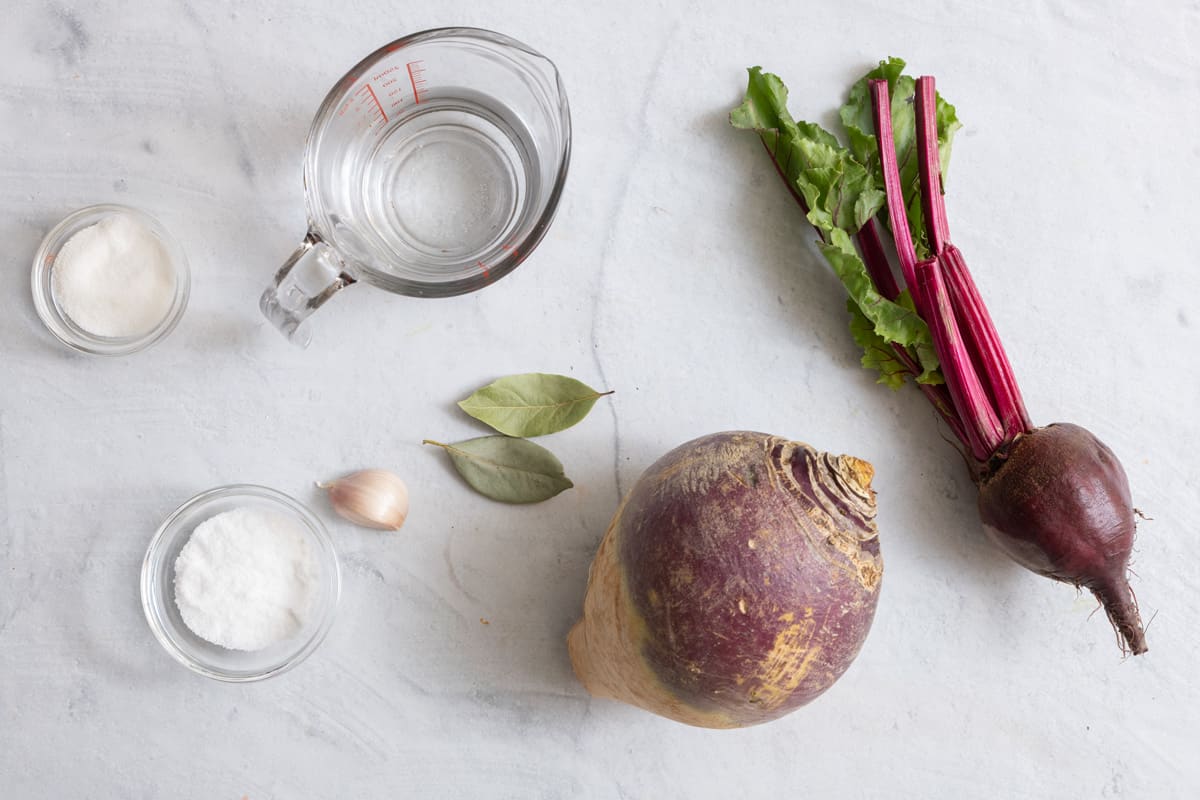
[[736, 582]]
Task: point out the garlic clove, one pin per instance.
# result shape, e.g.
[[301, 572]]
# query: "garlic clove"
[[373, 498]]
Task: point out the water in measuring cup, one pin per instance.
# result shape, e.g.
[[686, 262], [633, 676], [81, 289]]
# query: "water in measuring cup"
[[439, 192]]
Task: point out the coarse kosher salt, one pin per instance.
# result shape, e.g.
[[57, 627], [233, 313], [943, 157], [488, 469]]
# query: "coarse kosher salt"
[[245, 579]]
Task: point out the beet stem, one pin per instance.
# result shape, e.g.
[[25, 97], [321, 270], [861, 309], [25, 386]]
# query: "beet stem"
[[877, 261], [975, 324], [936, 394], [881, 105], [880, 269], [984, 344], [941, 401], [983, 429], [937, 227]]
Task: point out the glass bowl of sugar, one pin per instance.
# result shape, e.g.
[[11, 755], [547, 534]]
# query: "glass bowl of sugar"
[[240, 583], [110, 280]]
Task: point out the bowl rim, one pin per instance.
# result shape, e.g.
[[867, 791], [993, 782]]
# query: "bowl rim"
[[305, 515], [61, 326]]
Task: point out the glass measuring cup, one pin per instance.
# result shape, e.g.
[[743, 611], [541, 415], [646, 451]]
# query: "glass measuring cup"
[[432, 168]]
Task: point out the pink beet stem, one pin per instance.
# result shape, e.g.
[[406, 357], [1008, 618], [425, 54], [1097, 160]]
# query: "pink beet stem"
[[877, 261], [936, 394], [937, 227], [880, 270], [978, 331], [984, 433], [984, 344], [881, 104]]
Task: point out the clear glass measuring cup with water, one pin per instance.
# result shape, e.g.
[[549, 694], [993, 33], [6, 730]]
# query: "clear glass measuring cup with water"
[[432, 168]]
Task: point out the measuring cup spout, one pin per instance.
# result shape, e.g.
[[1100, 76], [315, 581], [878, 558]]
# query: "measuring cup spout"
[[302, 285]]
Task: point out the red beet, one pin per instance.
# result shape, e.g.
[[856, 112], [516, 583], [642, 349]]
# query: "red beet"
[[1059, 505], [1055, 498], [736, 583]]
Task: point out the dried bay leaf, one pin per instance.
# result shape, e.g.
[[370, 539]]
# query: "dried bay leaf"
[[532, 404], [506, 469]]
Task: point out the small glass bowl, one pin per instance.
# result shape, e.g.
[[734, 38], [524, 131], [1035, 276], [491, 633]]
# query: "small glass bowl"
[[62, 326], [204, 657]]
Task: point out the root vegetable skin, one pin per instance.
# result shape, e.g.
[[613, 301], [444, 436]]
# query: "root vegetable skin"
[[1059, 505], [736, 583]]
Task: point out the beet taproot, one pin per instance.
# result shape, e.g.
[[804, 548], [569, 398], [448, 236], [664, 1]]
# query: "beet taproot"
[[1058, 503], [736, 582]]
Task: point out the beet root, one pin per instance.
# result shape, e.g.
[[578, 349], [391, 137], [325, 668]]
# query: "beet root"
[[737, 582], [1059, 503]]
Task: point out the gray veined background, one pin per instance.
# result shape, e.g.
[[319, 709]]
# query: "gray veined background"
[[678, 273]]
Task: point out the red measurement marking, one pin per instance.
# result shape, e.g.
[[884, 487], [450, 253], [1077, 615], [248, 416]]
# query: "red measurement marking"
[[382, 113], [416, 78], [487, 273], [515, 254]]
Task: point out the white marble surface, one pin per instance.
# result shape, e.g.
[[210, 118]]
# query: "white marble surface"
[[677, 273]]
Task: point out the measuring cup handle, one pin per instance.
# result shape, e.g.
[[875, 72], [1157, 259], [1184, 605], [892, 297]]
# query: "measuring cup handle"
[[305, 281]]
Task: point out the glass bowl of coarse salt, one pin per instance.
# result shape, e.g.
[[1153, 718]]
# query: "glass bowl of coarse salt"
[[240, 583], [110, 280]]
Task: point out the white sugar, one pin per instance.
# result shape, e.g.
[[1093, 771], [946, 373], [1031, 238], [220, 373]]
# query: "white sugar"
[[114, 278], [245, 579]]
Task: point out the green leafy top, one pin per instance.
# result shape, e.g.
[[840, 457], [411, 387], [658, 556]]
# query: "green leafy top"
[[838, 191], [842, 188]]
